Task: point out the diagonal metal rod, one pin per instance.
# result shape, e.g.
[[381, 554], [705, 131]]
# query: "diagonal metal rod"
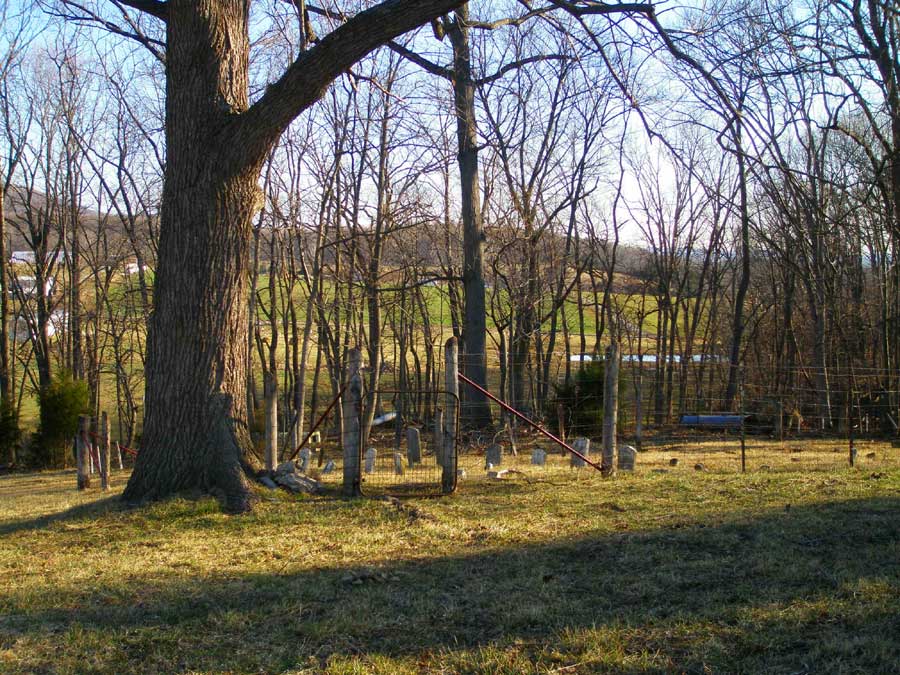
[[319, 422], [527, 421]]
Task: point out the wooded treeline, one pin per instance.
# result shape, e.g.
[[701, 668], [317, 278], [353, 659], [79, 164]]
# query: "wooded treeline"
[[716, 189]]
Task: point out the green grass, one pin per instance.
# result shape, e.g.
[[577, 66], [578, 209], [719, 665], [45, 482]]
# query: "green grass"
[[770, 572]]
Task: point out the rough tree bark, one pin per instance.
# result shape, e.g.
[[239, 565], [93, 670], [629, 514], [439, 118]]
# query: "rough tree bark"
[[195, 426]]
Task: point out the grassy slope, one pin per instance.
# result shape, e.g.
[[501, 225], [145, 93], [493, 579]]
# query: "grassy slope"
[[677, 572]]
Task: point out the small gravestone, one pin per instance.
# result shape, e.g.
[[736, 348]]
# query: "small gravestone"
[[371, 454], [627, 456], [398, 463], [303, 460], [583, 446], [673, 461], [413, 450], [329, 467], [493, 456], [538, 457], [461, 473]]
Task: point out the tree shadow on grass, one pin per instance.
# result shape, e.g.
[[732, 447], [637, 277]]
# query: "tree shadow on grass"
[[810, 589]]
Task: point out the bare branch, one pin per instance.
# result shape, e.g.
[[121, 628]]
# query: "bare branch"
[[152, 7], [309, 75], [83, 15], [514, 65], [421, 61]]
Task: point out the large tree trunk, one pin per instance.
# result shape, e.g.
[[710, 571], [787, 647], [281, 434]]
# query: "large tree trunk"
[[195, 425]]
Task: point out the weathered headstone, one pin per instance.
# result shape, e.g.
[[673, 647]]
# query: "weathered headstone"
[[493, 456], [583, 446], [297, 483], [627, 456], [460, 473], [398, 463], [538, 457], [413, 450], [371, 454], [329, 467], [303, 460], [286, 468]]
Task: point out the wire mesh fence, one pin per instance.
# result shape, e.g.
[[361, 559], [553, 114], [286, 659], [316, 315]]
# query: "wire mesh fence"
[[677, 418]]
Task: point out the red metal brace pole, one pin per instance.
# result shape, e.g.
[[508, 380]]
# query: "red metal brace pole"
[[318, 422], [527, 421]]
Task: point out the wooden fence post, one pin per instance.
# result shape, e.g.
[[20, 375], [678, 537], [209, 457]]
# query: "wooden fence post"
[[610, 409], [104, 451], [350, 409], [270, 392], [82, 453], [451, 414]]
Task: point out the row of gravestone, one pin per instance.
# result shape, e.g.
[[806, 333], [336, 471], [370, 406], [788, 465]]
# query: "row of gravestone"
[[413, 454], [303, 458], [493, 456], [399, 468]]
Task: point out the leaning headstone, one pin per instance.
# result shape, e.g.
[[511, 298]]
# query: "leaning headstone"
[[303, 460], [582, 445], [371, 454], [286, 468], [538, 457], [413, 450], [398, 463], [627, 455], [329, 467], [296, 483], [493, 455]]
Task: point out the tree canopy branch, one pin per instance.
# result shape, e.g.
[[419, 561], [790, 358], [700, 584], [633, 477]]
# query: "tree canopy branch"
[[421, 61], [155, 8], [307, 78]]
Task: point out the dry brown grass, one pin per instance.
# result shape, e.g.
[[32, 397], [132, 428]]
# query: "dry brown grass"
[[556, 570]]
